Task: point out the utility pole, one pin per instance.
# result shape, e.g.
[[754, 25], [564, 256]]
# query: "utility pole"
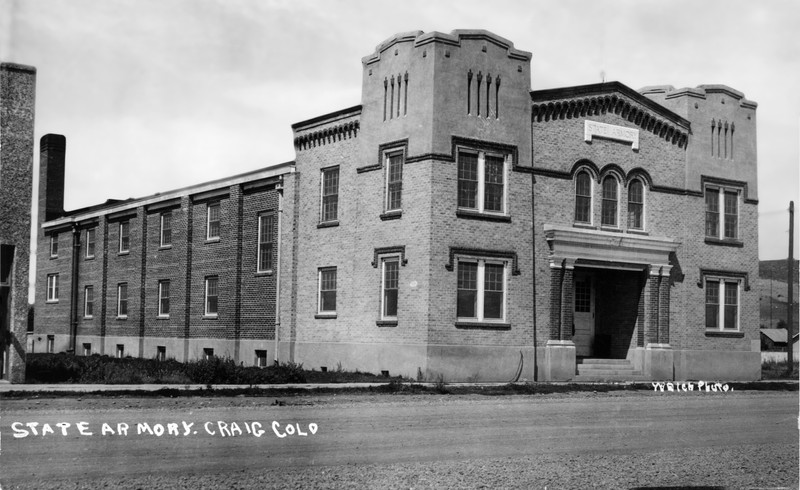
[[790, 310]]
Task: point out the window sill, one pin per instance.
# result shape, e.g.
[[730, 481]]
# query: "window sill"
[[386, 323], [733, 334], [484, 325], [162, 317], [264, 273], [210, 317], [325, 316], [471, 214], [122, 317], [126, 252], [213, 240], [51, 301], [328, 224], [88, 317], [394, 214], [585, 226], [638, 232], [165, 247], [727, 242], [89, 257], [53, 257], [611, 229]]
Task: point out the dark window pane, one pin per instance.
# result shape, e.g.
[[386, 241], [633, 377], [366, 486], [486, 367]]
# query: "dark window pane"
[[466, 303], [712, 212], [467, 180], [609, 211], [712, 304], [390, 302], [731, 305], [635, 205], [731, 215], [493, 305], [493, 188], [330, 194]]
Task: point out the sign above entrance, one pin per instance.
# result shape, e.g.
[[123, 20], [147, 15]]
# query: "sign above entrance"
[[620, 133]]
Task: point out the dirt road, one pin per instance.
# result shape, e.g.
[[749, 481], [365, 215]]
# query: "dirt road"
[[616, 440]]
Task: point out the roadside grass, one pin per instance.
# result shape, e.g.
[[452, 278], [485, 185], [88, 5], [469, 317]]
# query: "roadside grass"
[[771, 369], [97, 369]]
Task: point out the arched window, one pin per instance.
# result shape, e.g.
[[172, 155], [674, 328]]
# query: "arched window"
[[636, 205], [583, 198], [609, 209]]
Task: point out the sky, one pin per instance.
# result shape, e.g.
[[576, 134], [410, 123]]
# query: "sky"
[[155, 95]]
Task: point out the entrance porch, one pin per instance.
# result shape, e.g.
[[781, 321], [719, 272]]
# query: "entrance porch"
[[609, 306]]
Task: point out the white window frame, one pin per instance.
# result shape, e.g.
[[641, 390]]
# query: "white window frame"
[[616, 200], [206, 312], [721, 281], [322, 173], [643, 203], [575, 197], [320, 311], [162, 242], [86, 313], [259, 265], [480, 296], [52, 288], [480, 199], [91, 232], [259, 359], [394, 258], [209, 207], [120, 287], [54, 245], [161, 298], [124, 247], [721, 215], [387, 155]]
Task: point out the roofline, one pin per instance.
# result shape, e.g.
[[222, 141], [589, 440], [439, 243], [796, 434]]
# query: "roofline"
[[350, 111], [101, 210], [606, 87]]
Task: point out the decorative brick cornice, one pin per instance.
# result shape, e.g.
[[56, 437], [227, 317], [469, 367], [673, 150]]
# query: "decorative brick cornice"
[[327, 135]]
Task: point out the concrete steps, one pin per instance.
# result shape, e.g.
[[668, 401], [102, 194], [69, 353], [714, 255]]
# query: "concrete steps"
[[607, 370]]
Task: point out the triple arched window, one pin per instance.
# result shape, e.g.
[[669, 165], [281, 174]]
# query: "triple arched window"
[[613, 195]]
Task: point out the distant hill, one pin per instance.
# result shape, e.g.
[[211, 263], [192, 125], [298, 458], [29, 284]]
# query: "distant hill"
[[777, 269]]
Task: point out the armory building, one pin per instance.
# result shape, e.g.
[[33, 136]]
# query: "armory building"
[[454, 223]]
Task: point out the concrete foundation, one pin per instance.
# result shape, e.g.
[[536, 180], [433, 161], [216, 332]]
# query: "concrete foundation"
[[658, 362], [708, 365], [560, 362]]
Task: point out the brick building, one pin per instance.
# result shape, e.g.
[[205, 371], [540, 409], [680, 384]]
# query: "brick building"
[[454, 223], [17, 101]]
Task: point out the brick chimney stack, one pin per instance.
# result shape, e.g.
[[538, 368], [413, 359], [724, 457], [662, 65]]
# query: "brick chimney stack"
[[51, 176]]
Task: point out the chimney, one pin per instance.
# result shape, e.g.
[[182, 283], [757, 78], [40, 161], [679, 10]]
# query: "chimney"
[[51, 176]]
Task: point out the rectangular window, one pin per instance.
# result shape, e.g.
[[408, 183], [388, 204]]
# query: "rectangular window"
[[88, 302], [265, 233], [208, 353], [54, 245], [166, 229], [722, 304], [330, 194], [712, 213], [163, 298], [52, 287], [636, 205], [87, 349], [212, 296], [212, 221], [731, 215], [90, 238], [722, 213], [394, 181], [327, 291], [51, 344], [122, 300], [583, 198], [120, 351], [261, 358], [391, 281], [124, 236], [481, 181], [608, 214], [481, 294], [161, 353]]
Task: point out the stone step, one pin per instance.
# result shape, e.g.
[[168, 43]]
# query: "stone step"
[[609, 372], [603, 361], [588, 367], [607, 377]]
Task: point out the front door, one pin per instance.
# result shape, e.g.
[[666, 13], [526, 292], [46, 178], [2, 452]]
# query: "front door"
[[584, 313]]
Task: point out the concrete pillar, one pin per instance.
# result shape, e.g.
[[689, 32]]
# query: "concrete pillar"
[[568, 300], [556, 275]]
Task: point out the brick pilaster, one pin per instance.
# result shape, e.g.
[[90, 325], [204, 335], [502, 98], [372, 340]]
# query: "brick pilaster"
[[568, 300], [556, 276], [651, 292], [663, 305]]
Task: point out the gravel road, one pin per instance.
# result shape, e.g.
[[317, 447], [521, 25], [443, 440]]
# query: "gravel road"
[[606, 440]]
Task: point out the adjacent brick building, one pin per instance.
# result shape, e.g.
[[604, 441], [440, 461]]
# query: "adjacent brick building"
[[17, 103], [454, 223]]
